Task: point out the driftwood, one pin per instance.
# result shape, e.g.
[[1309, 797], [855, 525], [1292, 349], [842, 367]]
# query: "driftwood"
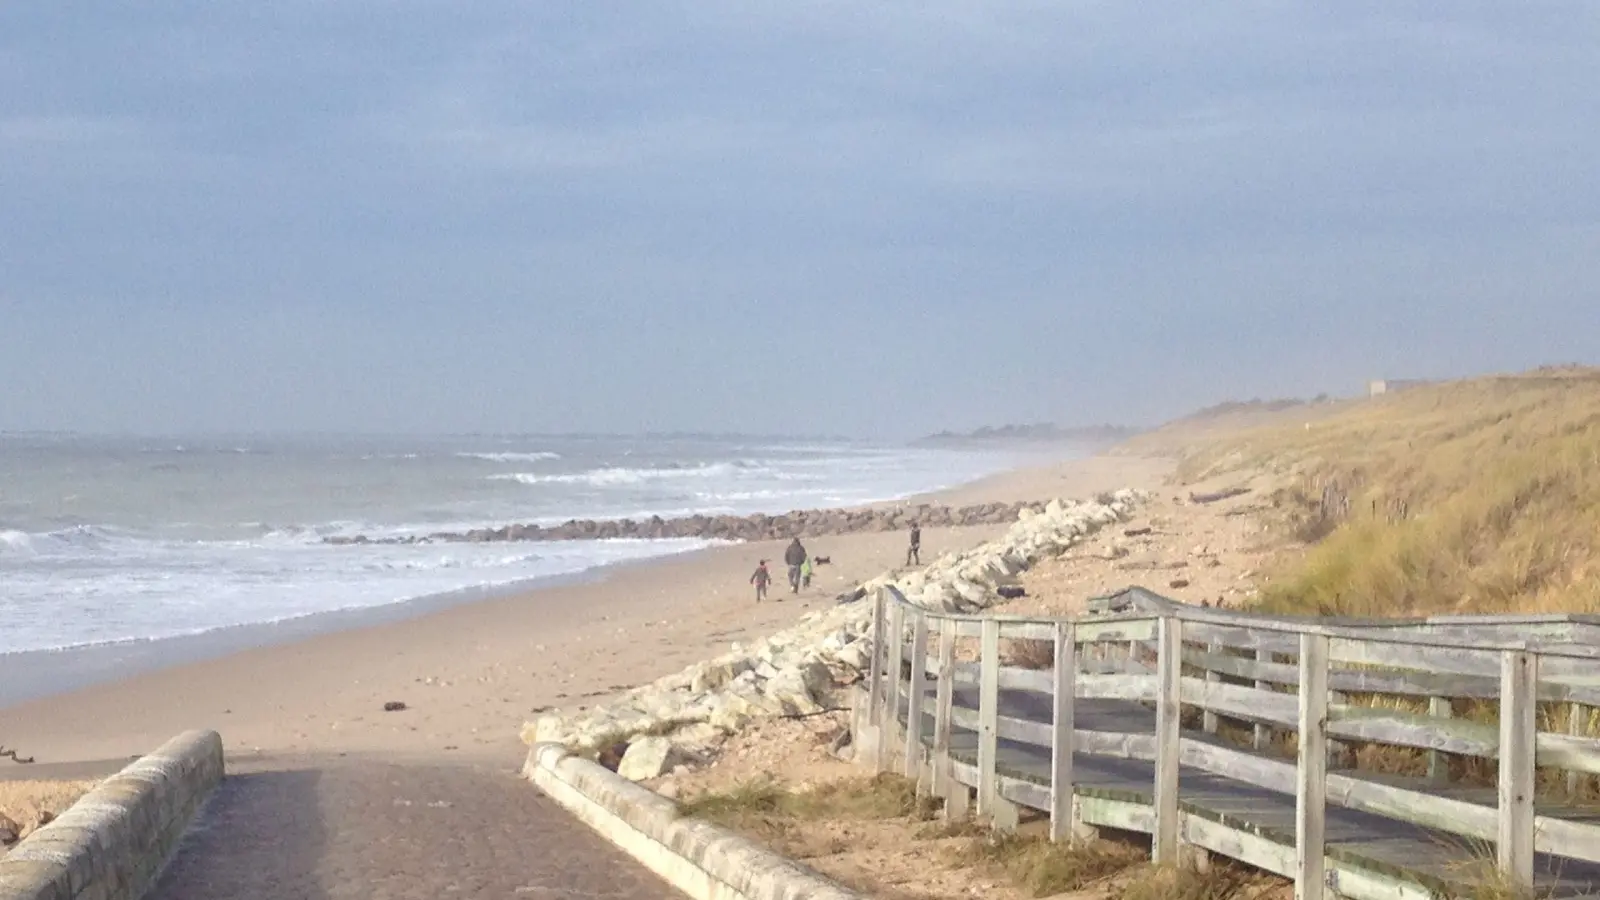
[[1224, 494], [8, 753], [1138, 532]]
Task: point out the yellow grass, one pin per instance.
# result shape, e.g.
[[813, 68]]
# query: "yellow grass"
[[1043, 868], [1220, 881], [22, 802], [1471, 496], [766, 807]]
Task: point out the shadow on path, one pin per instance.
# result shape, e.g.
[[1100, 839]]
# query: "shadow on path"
[[333, 829], [260, 835]]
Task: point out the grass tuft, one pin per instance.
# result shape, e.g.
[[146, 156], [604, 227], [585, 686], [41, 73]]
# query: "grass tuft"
[[761, 806], [1219, 881], [1042, 868]]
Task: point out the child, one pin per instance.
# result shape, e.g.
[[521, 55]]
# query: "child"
[[761, 579], [805, 573]]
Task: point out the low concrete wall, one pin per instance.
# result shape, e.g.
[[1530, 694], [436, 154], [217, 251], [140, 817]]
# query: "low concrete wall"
[[113, 843], [699, 859]]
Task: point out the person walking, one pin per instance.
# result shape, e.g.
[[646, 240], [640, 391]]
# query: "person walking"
[[795, 557], [914, 552], [761, 579], [805, 573]]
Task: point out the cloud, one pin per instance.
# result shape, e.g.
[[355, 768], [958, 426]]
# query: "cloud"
[[689, 200]]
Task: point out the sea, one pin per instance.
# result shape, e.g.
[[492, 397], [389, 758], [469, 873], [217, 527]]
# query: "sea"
[[111, 540]]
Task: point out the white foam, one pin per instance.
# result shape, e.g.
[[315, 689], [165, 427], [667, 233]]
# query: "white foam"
[[246, 541], [136, 589], [614, 476], [536, 456], [16, 543]]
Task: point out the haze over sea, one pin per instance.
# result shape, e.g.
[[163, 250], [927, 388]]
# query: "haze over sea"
[[116, 539]]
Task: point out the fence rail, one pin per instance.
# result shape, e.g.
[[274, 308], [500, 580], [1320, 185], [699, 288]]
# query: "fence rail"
[[1148, 715]]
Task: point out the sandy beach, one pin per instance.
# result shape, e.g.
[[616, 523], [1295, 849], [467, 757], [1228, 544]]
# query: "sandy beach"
[[470, 674]]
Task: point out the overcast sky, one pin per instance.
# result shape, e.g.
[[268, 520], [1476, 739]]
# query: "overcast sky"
[[876, 218]]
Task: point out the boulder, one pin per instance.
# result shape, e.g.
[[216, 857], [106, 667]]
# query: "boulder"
[[793, 696], [730, 719], [646, 758], [854, 657], [972, 593], [712, 675]]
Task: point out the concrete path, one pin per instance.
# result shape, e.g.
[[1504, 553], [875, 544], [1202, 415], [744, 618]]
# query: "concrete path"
[[332, 829]]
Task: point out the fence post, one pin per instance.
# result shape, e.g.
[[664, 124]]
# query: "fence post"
[[989, 718], [892, 687], [916, 692], [875, 677], [1169, 710], [944, 704], [1577, 723], [1438, 762], [1208, 718], [1339, 753], [1519, 679], [1064, 692], [1263, 733], [1311, 771]]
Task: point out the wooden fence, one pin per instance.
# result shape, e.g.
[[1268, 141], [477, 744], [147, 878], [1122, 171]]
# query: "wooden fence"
[[1151, 716]]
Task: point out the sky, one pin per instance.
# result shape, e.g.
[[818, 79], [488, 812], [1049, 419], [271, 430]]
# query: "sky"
[[876, 219]]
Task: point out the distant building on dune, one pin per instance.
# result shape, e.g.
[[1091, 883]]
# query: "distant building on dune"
[[1380, 386]]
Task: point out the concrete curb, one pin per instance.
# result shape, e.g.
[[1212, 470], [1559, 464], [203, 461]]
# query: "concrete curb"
[[699, 859], [113, 843]]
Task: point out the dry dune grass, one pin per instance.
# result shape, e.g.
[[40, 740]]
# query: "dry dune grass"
[[815, 825], [25, 805], [1472, 496]]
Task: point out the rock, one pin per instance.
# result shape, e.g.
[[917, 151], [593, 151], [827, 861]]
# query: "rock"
[[698, 737], [548, 729], [713, 675], [394, 706], [647, 758], [10, 831], [855, 656], [972, 593], [730, 719], [611, 756]]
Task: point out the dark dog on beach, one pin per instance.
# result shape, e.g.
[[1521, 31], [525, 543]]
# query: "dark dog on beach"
[[821, 561]]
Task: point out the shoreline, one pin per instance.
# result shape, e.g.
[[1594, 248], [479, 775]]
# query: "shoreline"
[[44, 672], [471, 666]]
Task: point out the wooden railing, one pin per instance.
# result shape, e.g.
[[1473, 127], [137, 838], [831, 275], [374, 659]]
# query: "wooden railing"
[[1121, 680]]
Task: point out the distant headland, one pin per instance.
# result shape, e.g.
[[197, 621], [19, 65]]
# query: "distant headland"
[[1035, 433]]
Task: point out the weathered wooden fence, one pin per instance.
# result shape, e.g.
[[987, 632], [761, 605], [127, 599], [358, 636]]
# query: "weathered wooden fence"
[[1124, 728]]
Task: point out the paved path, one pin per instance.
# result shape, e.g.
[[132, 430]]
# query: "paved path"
[[331, 829]]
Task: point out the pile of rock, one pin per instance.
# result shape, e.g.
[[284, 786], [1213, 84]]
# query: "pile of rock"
[[682, 719], [799, 523]]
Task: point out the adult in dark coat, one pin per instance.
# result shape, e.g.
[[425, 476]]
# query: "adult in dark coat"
[[795, 557]]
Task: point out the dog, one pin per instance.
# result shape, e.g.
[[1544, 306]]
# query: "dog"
[[822, 561]]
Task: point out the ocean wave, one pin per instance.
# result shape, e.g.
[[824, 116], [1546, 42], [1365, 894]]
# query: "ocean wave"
[[507, 457], [613, 476], [208, 587], [16, 543]]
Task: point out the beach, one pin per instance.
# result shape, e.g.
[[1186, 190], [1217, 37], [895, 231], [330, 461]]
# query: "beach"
[[471, 673]]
